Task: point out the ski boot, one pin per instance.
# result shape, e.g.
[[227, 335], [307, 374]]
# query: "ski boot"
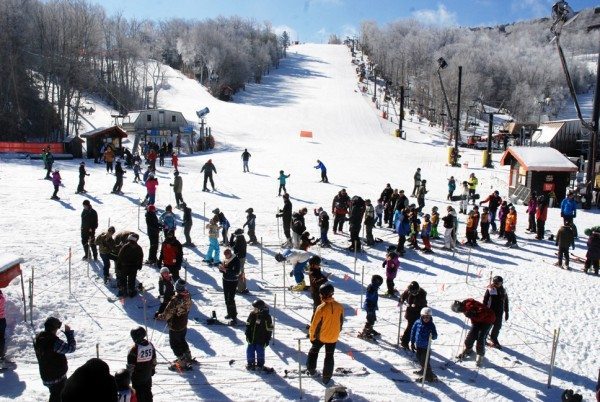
[[479, 361], [465, 353], [250, 367], [299, 287]]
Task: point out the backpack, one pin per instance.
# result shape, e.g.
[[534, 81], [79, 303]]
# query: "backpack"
[[169, 254]]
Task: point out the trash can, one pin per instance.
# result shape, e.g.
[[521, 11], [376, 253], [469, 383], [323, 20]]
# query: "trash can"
[[398, 133]]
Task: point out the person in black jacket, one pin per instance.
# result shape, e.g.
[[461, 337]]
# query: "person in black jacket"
[[496, 298], [208, 168], [91, 382], [415, 298], [187, 225], [385, 197], [50, 351], [286, 217], [323, 226], [230, 267], [166, 289], [153, 229], [339, 209], [593, 252], [298, 226], [141, 363], [357, 211], [239, 245], [89, 223], [129, 261], [119, 173], [259, 329], [82, 174], [171, 254], [316, 278]]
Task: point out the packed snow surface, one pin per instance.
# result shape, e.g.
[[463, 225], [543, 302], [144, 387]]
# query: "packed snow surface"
[[315, 89]]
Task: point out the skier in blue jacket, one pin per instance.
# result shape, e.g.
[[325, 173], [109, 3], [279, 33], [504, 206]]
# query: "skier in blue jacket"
[[568, 208], [370, 306], [419, 342], [321, 166]]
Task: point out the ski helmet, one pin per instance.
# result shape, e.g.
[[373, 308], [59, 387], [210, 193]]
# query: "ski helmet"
[[164, 270], [377, 280], [413, 288], [279, 257], [426, 311], [180, 285], [138, 334], [259, 304], [51, 324], [497, 280], [314, 260], [326, 290], [457, 306]]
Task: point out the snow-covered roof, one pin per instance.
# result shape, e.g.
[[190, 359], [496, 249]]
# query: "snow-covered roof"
[[544, 159], [9, 261]]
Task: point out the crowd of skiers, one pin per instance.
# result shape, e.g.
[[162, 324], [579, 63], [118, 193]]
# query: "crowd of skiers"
[[392, 210]]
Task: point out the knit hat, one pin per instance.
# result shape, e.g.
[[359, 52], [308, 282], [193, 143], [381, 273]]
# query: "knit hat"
[[180, 285], [164, 270]]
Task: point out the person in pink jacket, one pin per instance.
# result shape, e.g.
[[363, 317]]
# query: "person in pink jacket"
[[2, 327], [151, 185], [391, 265], [56, 180]]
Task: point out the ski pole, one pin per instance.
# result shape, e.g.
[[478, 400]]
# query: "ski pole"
[[399, 323], [362, 285], [204, 215], [261, 259], [139, 207], [69, 270], [284, 286], [468, 265], [355, 245], [300, 367], [426, 363], [274, 308], [97, 350]]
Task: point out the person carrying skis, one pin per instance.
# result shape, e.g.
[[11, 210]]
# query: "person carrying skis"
[[129, 262], [593, 252], [493, 201], [369, 222], [325, 329], [323, 226], [171, 254], [370, 305], [89, 224], [187, 224], [251, 223], [108, 250], [417, 182], [141, 364], [230, 267], [213, 253], [245, 159], [298, 260], [339, 209], [391, 265], [282, 178], [208, 168], [565, 238], [50, 351], [321, 166], [153, 228], [496, 298], [414, 298], [82, 174], [510, 226], [56, 182], [419, 343], [176, 314], [482, 318], [166, 290], [177, 188], [259, 330], [286, 218]]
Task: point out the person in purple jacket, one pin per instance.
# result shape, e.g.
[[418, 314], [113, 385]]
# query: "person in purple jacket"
[[502, 212], [56, 181]]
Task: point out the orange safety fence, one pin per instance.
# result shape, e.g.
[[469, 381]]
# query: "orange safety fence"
[[306, 134], [31, 147]]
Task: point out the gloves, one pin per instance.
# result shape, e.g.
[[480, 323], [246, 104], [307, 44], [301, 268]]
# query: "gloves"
[[291, 273], [506, 316], [384, 262], [413, 347]]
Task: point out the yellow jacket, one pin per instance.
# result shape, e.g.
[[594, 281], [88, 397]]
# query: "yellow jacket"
[[327, 322], [472, 182]]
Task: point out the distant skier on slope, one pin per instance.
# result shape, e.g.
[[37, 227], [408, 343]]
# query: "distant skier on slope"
[[321, 165]]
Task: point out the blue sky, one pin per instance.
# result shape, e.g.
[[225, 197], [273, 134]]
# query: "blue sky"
[[315, 20]]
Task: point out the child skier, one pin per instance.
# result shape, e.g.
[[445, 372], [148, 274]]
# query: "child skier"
[[391, 265], [166, 289], [213, 254], [167, 219], [259, 329], [370, 306], [136, 171], [282, 177], [56, 181], [124, 391], [141, 363], [251, 223], [323, 226], [298, 259], [435, 220], [485, 225], [419, 342], [426, 233], [415, 226], [379, 208]]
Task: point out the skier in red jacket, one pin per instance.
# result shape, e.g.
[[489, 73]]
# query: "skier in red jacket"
[[482, 319]]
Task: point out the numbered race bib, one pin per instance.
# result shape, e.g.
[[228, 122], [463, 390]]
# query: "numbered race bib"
[[144, 353]]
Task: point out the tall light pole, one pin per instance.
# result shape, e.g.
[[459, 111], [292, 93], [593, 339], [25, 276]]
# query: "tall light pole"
[[563, 14]]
